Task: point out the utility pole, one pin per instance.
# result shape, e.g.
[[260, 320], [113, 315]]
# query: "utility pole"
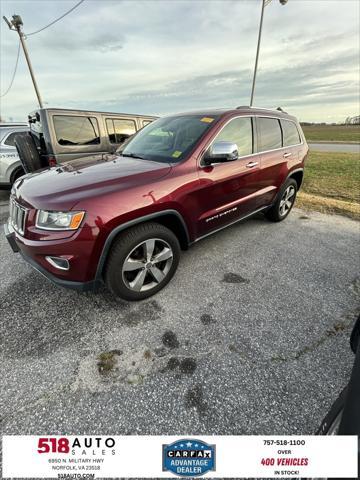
[[16, 24], [264, 4]]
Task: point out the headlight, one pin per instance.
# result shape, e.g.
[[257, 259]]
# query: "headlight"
[[59, 220]]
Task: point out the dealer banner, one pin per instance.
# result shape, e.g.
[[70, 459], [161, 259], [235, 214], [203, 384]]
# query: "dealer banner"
[[89, 457]]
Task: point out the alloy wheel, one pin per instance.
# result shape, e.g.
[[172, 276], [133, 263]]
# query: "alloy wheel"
[[147, 265], [287, 200]]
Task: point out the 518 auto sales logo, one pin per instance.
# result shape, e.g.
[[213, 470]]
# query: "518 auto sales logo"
[[84, 446]]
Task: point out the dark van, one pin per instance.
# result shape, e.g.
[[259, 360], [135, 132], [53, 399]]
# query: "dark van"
[[58, 136]]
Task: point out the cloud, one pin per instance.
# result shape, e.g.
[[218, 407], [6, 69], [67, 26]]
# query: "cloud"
[[160, 57]]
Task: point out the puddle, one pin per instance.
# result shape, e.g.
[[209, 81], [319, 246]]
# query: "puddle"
[[169, 339], [231, 277], [207, 319], [188, 366], [194, 398]]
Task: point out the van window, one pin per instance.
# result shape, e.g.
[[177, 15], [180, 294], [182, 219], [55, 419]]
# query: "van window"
[[119, 129], [72, 130], [269, 134], [239, 131], [290, 133]]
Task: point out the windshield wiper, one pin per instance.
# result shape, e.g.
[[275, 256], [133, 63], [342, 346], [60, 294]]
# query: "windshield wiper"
[[132, 155]]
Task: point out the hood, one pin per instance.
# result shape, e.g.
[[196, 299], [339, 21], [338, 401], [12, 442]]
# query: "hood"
[[64, 186]]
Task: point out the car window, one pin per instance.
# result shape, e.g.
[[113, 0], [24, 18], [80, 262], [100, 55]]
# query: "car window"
[[290, 133], [10, 139], [168, 139], [146, 122], [269, 134], [72, 130], [120, 129], [239, 131]]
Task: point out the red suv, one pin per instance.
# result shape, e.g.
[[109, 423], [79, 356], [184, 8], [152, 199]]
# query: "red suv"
[[123, 220]]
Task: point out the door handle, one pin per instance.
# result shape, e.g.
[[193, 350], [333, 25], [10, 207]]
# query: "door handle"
[[252, 164], [286, 155]]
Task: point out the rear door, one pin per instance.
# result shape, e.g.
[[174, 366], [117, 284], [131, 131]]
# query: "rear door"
[[279, 144], [228, 190], [272, 158], [9, 158], [292, 141]]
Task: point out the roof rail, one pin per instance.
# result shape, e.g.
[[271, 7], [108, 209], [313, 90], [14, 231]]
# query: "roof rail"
[[259, 108]]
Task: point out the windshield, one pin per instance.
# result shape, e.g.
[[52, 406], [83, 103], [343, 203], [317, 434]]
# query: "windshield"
[[168, 139]]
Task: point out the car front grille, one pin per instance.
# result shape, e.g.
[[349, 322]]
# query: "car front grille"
[[17, 216]]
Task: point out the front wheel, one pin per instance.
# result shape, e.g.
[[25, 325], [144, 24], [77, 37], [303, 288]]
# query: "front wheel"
[[142, 261], [284, 202]]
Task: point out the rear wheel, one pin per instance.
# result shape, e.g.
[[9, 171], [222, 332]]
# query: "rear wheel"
[[142, 261], [28, 152], [284, 202]]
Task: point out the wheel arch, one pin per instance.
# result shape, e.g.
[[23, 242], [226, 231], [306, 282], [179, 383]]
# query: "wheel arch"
[[298, 176], [16, 173], [171, 219]]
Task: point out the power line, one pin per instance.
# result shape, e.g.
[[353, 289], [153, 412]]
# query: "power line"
[[52, 23], [13, 77]]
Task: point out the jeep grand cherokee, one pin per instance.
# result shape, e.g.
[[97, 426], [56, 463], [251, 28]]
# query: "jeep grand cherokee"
[[179, 179]]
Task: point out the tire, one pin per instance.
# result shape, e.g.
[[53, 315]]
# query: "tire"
[[28, 152], [134, 269], [280, 210], [19, 172], [330, 424]]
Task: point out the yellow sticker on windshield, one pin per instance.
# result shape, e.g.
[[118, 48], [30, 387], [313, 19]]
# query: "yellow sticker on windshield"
[[176, 154], [206, 119]]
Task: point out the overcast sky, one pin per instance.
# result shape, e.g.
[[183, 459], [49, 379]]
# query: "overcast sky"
[[164, 56]]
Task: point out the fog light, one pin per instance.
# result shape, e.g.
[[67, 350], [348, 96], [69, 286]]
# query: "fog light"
[[58, 262]]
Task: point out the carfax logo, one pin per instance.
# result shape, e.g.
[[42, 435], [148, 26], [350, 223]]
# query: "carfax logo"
[[188, 457]]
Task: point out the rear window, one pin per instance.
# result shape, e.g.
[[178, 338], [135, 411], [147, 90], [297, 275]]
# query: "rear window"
[[290, 133], [10, 139], [269, 134], [72, 130], [120, 129]]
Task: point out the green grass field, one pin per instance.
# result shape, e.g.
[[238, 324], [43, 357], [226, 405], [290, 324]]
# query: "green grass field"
[[332, 133], [332, 183]]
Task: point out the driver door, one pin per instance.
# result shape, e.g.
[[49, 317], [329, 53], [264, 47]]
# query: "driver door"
[[228, 191]]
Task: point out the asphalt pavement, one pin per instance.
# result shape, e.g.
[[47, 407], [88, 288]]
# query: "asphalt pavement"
[[335, 147], [250, 337]]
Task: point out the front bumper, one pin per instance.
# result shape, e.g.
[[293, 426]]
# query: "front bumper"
[[80, 286]]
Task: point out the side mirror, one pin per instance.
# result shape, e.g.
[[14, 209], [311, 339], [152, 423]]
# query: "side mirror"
[[221, 152]]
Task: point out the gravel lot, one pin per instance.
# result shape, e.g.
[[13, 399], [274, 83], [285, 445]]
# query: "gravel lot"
[[250, 337]]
